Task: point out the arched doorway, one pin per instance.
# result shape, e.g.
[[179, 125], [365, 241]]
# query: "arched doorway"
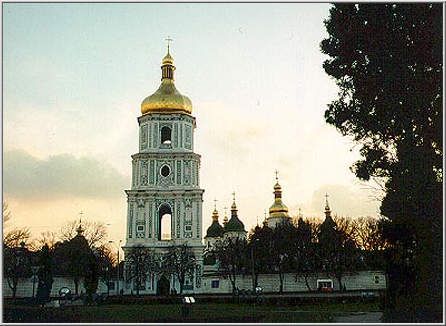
[[165, 222], [163, 287]]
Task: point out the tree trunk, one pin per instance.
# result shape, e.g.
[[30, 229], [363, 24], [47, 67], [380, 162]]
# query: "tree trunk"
[[12, 282], [306, 282], [76, 285], [281, 282], [232, 280], [256, 281], [340, 283], [14, 288]]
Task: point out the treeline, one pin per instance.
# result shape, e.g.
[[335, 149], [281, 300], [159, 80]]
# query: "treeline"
[[333, 247], [77, 252]]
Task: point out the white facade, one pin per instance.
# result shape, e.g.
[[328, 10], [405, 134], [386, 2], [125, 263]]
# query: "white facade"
[[213, 284], [165, 181], [362, 280]]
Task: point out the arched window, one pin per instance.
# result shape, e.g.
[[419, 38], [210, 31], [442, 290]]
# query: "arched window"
[[165, 223], [166, 135]]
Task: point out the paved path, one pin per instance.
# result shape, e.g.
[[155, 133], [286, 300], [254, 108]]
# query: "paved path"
[[360, 317]]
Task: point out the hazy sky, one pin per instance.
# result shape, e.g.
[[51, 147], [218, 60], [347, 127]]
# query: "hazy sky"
[[75, 75]]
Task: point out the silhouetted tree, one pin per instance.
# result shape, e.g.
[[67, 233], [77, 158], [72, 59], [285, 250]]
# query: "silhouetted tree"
[[387, 61], [45, 275], [73, 258], [283, 247], [140, 261], [180, 262], [46, 238], [259, 247], [94, 232], [106, 260], [305, 254], [232, 257], [16, 265], [16, 236], [336, 250]]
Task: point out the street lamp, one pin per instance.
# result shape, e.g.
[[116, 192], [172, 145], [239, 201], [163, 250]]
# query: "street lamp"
[[117, 283], [107, 277], [34, 269], [254, 283]]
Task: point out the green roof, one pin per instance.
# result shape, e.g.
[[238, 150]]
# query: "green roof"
[[234, 224], [215, 230]]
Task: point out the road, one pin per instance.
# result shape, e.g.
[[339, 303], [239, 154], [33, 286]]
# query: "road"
[[360, 317]]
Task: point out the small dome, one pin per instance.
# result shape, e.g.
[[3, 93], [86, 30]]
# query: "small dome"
[[234, 225], [168, 60], [278, 208], [215, 230]]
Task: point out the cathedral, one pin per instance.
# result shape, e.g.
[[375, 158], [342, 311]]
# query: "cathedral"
[[165, 199]]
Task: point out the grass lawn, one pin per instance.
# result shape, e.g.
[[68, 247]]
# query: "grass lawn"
[[201, 312]]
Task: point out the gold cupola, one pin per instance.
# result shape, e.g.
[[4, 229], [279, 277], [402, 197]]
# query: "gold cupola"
[[278, 208], [167, 99]]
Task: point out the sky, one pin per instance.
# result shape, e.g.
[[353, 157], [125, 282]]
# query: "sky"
[[74, 76]]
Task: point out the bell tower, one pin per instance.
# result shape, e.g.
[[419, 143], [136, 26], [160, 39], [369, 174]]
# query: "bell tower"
[[165, 199]]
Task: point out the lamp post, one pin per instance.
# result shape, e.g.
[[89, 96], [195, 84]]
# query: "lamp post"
[[34, 269], [117, 282], [254, 283]]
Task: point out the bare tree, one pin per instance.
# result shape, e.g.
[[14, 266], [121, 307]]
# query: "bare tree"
[[95, 232], [180, 261], [315, 223], [16, 236], [106, 259], [347, 226], [140, 261], [6, 213], [16, 265], [47, 238], [231, 256], [368, 234]]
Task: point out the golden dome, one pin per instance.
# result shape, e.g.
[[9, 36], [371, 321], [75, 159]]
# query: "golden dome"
[[278, 208], [215, 214], [167, 98], [168, 60]]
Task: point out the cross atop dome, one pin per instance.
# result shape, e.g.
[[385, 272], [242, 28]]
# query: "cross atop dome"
[[327, 206], [168, 39], [234, 206], [80, 229]]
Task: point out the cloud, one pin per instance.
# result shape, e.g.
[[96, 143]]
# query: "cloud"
[[64, 175]]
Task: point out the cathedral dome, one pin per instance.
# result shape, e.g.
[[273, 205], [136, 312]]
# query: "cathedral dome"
[[234, 224], [278, 208], [167, 98], [215, 230]]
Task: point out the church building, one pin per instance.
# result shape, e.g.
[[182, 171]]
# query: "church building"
[[165, 199]]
